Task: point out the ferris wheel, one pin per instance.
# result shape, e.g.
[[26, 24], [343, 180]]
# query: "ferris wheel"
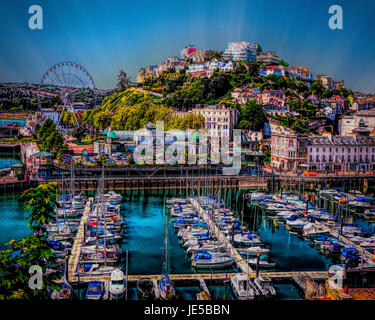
[[71, 83]]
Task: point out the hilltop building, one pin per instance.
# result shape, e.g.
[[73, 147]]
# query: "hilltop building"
[[327, 82], [268, 57], [300, 73], [241, 51]]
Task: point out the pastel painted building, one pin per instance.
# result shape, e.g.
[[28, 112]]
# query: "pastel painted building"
[[273, 97], [268, 70], [341, 153], [268, 57], [288, 148], [300, 73]]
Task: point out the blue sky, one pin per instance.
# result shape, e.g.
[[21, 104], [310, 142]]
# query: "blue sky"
[[108, 35]]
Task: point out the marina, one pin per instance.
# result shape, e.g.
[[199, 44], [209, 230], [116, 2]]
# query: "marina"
[[276, 243]]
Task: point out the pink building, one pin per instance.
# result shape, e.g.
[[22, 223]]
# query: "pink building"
[[341, 153], [273, 97]]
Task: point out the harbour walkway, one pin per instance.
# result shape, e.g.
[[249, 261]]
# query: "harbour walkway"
[[315, 275], [239, 260], [76, 250]]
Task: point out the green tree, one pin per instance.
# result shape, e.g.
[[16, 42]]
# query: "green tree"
[[14, 268], [78, 133], [41, 202], [252, 116], [123, 82]]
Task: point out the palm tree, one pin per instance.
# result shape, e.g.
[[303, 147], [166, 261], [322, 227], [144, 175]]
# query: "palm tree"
[[41, 202]]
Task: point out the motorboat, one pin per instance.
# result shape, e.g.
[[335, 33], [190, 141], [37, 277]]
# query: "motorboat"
[[242, 287], [117, 283], [368, 244], [264, 286], [95, 269], [94, 290]]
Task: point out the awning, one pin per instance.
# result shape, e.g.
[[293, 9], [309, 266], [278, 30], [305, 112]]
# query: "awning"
[[43, 154]]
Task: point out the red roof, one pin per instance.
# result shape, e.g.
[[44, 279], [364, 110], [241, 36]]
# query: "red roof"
[[191, 50]]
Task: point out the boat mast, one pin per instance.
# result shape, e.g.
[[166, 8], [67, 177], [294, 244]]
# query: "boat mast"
[[166, 243], [103, 216], [72, 179]]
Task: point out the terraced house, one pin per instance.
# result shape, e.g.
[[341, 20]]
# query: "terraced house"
[[288, 148], [329, 153]]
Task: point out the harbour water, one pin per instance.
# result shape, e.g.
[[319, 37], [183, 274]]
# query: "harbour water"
[[5, 163], [5, 122], [13, 224], [146, 214], [147, 218]]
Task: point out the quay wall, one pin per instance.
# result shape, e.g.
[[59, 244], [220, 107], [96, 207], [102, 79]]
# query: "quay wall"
[[272, 184]]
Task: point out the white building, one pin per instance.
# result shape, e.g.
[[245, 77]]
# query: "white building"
[[362, 122], [221, 65], [219, 121], [241, 51], [196, 67]]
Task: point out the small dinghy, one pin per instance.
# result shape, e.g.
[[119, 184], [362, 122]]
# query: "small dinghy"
[[166, 287], [145, 288]]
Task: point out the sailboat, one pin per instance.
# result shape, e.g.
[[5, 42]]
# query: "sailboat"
[[166, 287]]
